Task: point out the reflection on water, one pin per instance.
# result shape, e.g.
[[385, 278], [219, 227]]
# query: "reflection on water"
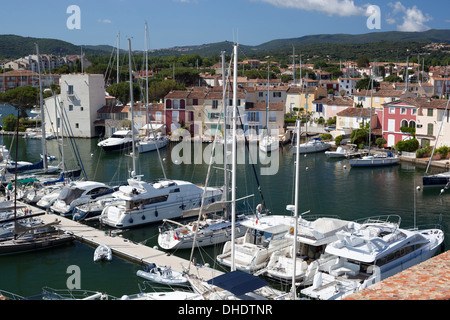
[[327, 186]]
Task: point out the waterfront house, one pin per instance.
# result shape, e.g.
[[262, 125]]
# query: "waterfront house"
[[255, 117], [175, 109], [353, 118], [329, 106], [431, 114], [348, 85], [396, 115], [82, 95]]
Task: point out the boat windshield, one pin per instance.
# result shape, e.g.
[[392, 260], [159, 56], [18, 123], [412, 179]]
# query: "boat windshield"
[[118, 136], [69, 194]]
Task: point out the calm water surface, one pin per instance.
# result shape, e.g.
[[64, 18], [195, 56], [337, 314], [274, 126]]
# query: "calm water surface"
[[327, 186]]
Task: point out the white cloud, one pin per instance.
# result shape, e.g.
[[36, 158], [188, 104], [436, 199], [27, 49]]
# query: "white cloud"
[[104, 21], [331, 7], [413, 18]]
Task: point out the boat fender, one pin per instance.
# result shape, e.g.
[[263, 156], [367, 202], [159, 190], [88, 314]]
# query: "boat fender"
[[156, 213], [130, 220], [143, 217]]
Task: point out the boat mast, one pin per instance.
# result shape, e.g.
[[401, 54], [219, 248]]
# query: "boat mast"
[[297, 175], [118, 49], [233, 170], [370, 118], [133, 174], [44, 142], [146, 73], [225, 136]]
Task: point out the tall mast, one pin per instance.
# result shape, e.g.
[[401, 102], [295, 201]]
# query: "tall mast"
[[293, 62], [118, 49], [44, 142], [297, 176], [225, 136], [233, 170], [132, 111], [146, 72]]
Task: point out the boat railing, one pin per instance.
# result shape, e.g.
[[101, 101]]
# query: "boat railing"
[[6, 295], [148, 286], [70, 294], [425, 227], [380, 219]]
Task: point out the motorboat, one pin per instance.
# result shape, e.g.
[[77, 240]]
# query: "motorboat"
[[148, 144], [441, 180], [210, 231], [162, 275], [179, 292], [120, 140], [268, 143], [80, 192], [148, 202], [375, 160], [312, 239], [338, 153], [48, 199], [265, 235], [91, 209], [369, 251], [315, 145], [102, 253]]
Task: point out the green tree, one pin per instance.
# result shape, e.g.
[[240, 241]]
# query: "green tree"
[[121, 91], [364, 84], [9, 122], [22, 98], [363, 61]]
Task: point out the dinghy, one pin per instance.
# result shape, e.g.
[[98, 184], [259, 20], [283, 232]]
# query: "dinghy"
[[162, 274], [102, 253]]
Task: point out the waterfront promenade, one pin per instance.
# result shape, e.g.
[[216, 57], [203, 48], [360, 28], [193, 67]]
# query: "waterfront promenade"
[[135, 252]]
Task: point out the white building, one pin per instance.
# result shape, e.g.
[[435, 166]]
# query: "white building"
[[81, 96], [348, 85]]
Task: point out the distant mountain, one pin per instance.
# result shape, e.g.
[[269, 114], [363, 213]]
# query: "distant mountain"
[[13, 46]]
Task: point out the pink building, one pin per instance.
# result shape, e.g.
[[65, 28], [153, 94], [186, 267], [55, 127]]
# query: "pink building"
[[397, 114]]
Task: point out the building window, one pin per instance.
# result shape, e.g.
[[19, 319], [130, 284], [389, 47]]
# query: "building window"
[[429, 112], [175, 116], [70, 107], [319, 107], [391, 110], [253, 116], [430, 128], [276, 94], [70, 89], [404, 123], [81, 109], [403, 111], [77, 125], [215, 104], [272, 116], [158, 116], [195, 102], [413, 112]]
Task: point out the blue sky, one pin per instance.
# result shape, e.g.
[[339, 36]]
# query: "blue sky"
[[193, 22]]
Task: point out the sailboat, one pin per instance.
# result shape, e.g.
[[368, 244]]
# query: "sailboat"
[[143, 202], [34, 237], [374, 160], [438, 179], [215, 225], [236, 284], [155, 141], [268, 142]]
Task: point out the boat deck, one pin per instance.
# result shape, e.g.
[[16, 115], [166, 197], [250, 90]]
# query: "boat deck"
[[122, 247]]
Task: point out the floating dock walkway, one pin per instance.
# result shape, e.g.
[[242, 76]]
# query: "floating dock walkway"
[[120, 246]]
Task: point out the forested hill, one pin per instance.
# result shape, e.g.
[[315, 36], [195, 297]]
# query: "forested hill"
[[389, 45]]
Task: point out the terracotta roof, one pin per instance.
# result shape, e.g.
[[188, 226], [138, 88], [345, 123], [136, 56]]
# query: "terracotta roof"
[[379, 93], [420, 102], [336, 101], [114, 109], [20, 73], [355, 112], [261, 106], [177, 94]]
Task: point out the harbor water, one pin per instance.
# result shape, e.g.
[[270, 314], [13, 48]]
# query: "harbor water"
[[327, 187]]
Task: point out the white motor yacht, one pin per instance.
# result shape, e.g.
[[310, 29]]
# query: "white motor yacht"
[[315, 145], [368, 252], [264, 235], [147, 202], [120, 140], [312, 239], [79, 193]]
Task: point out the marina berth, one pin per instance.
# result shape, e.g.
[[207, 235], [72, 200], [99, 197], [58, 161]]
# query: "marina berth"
[[79, 193], [312, 239], [142, 203], [369, 251], [265, 235]]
